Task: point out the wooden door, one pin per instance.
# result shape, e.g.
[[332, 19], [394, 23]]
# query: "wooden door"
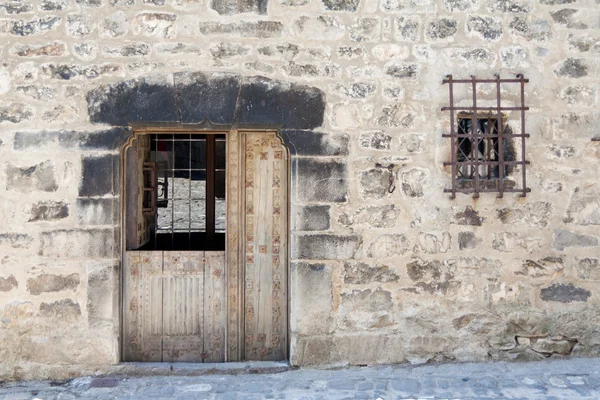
[[216, 306], [175, 306]]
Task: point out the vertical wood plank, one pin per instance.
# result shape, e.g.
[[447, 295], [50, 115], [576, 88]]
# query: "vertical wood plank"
[[149, 302], [234, 249], [265, 238], [183, 304], [214, 307]]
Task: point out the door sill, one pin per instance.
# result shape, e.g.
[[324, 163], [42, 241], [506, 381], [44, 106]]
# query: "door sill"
[[197, 369]]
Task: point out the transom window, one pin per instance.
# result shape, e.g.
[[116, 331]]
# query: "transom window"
[[482, 144]]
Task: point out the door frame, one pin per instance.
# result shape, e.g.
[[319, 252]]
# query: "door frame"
[[206, 128]]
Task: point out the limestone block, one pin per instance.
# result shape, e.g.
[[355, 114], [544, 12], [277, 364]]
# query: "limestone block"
[[366, 310], [258, 29], [467, 240], [40, 177], [36, 92], [312, 218], [66, 311], [325, 247], [510, 6], [584, 207], [322, 180], [587, 268], [320, 28], [413, 181], [461, 5], [85, 51], [535, 214], [562, 239], [564, 293], [531, 29], [365, 30], [514, 57], [97, 211], [407, 28], [388, 246], [360, 273], [48, 211], [441, 30], [155, 24], [8, 284], [79, 25], [17, 315], [312, 299], [16, 240], [545, 267], [115, 25], [358, 90], [510, 241], [341, 5], [15, 113], [468, 217], [78, 243], [102, 294], [36, 26], [571, 68], [385, 216], [46, 283]]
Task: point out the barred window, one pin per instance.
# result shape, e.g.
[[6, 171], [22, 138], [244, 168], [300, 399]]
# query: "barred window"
[[483, 156]]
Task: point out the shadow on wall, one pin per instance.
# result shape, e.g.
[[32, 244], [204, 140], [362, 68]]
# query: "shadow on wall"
[[193, 97]]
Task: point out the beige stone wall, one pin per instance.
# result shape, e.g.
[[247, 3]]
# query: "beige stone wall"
[[377, 277]]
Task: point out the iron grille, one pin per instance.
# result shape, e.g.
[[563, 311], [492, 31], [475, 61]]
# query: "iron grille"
[[480, 141]]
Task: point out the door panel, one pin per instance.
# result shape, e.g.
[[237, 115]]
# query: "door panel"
[[265, 252]]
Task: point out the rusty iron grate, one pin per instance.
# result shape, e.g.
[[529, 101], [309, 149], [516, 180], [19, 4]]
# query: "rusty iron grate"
[[481, 142]]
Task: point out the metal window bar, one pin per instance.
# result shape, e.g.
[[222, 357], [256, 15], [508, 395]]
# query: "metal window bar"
[[478, 141]]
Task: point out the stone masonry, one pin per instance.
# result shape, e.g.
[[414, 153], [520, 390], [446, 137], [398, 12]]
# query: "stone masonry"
[[385, 267]]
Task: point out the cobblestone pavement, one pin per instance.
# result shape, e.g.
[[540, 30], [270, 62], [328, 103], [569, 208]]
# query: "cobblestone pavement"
[[558, 379]]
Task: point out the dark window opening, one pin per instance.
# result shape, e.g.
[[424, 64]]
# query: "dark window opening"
[[189, 192], [482, 143]]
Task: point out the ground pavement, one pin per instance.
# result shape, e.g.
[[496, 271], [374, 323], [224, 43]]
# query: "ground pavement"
[[556, 379]]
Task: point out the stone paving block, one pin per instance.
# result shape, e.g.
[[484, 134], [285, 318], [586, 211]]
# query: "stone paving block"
[[406, 387]]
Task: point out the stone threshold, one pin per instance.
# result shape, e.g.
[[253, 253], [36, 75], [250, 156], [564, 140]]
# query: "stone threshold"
[[198, 369]]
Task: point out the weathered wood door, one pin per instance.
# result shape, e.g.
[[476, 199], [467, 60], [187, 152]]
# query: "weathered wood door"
[[215, 306]]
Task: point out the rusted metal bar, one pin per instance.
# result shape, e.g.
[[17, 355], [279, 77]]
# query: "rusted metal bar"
[[528, 190], [491, 135], [518, 80], [446, 163], [486, 108], [453, 133], [522, 78], [474, 139], [500, 129]]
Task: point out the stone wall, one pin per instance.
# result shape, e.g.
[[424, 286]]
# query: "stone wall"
[[378, 275]]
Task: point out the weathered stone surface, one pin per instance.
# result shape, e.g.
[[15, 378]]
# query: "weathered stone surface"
[[374, 183], [71, 71], [412, 181], [115, 25], [130, 50], [576, 126], [230, 7], [460, 5], [52, 49], [584, 207], [99, 140], [45, 283], [583, 43], [356, 90], [549, 346], [570, 18], [359, 273], [562, 239], [8, 284], [433, 243], [156, 24], [97, 211], [15, 113], [313, 284], [34, 26], [99, 176], [572, 68], [178, 48], [514, 57], [530, 214], [366, 309], [53, 5], [532, 30], [385, 246], [37, 177], [510, 6], [564, 293], [102, 300], [16, 240], [64, 310], [407, 28], [17, 314], [385, 216], [79, 25], [545, 267], [48, 211], [442, 29], [310, 143], [468, 217], [312, 70], [321, 180], [587, 268], [431, 276], [365, 30], [467, 240], [377, 140], [320, 28], [313, 218], [44, 93], [509, 241], [78, 243], [488, 28], [341, 5], [325, 247], [402, 71], [581, 95], [258, 29], [479, 58]]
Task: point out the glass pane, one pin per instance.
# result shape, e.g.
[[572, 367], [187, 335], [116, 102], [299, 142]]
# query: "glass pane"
[[198, 215], [182, 155], [199, 154], [163, 155], [198, 185], [220, 154], [164, 218], [220, 184], [182, 215], [220, 210], [181, 185]]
